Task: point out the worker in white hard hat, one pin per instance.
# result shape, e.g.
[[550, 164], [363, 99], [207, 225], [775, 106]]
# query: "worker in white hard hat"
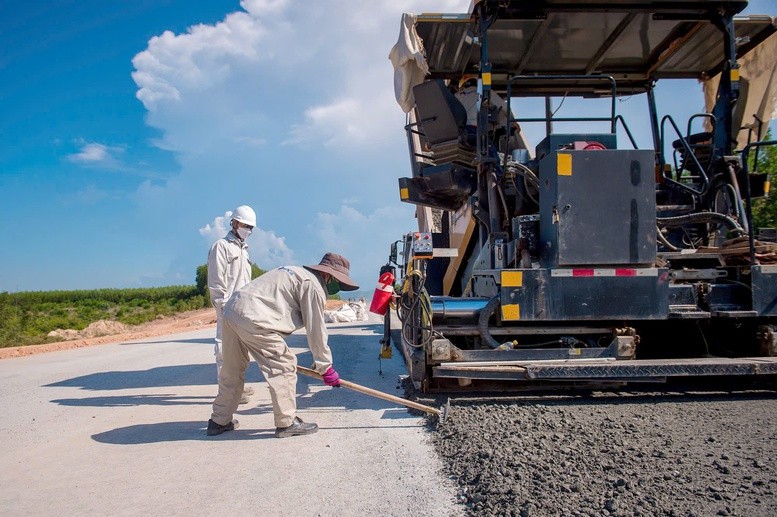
[[228, 271], [258, 318]]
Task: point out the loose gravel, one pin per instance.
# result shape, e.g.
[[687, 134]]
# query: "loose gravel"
[[613, 454]]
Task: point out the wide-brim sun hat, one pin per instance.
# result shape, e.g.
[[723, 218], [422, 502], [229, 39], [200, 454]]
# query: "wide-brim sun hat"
[[339, 267]]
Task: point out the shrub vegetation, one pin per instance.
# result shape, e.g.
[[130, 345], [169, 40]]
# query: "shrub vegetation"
[[26, 318]]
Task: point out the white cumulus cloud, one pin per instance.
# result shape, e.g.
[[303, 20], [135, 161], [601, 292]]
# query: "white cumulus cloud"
[[363, 238], [265, 249], [290, 107], [98, 155]]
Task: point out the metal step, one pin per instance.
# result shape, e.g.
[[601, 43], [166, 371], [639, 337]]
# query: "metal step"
[[734, 314], [607, 369], [689, 314]]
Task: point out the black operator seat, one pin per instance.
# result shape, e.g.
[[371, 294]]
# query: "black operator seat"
[[442, 119], [701, 145]]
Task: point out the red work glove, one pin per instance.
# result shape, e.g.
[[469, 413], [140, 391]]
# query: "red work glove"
[[331, 378]]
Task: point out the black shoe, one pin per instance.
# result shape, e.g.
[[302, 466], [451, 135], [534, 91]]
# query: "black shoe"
[[298, 427], [215, 429]]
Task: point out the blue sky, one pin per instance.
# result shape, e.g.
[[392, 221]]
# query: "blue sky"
[[129, 129]]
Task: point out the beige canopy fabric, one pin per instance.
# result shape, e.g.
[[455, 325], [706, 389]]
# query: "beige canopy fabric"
[[758, 91], [407, 58]]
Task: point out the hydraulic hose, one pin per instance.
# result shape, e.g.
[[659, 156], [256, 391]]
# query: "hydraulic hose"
[[485, 315], [668, 245], [737, 197], [700, 217]]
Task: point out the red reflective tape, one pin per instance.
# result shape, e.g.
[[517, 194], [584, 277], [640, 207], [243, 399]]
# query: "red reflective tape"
[[607, 272], [582, 272]]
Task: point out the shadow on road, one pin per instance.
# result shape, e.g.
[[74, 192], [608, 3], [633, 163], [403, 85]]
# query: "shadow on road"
[[161, 376], [136, 400], [198, 340], [175, 432], [184, 431]]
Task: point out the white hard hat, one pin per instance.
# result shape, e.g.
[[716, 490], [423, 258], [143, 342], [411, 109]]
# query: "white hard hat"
[[244, 214]]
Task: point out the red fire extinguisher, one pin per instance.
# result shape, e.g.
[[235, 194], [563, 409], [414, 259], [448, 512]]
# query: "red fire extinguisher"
[[382, 295]]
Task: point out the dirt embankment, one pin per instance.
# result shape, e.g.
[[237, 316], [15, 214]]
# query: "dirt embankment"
[[182, 322], [103, 332]]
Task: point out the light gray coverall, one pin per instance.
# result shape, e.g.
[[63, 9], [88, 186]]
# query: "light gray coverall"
[[257, 319], [469, 99], [228, 271]]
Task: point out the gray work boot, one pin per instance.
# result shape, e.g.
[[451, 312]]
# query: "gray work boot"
[[248, 390], [298, 427], [244, 399], [215, 429]]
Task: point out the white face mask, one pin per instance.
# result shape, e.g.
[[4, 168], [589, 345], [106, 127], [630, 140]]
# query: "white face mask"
[[243, 232]]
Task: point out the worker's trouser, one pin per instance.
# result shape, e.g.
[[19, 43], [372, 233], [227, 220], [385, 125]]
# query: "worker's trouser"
[[217, 349], [276, 361]]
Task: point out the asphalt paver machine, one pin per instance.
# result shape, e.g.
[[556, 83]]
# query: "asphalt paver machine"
[[583, 259]]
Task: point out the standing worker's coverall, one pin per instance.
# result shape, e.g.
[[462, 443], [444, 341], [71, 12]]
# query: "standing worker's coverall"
[[256, 320], [228, 271]]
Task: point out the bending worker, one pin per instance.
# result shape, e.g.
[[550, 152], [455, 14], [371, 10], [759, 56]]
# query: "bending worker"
[[228, 271], [257, 319]]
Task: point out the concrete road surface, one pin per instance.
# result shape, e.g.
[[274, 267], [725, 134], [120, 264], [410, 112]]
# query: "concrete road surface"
[[120, 430]]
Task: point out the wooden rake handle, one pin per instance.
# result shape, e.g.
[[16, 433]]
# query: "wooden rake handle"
[[374, 393]]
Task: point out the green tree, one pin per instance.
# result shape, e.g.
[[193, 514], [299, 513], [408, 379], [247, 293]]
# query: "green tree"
[[256, 271], [201, 279], [765, 208]]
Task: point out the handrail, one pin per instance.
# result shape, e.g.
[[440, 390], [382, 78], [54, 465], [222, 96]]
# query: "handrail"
[[749, 207], [515, 78], [705, 115], [415, 167], [626, 129], [689, 151]]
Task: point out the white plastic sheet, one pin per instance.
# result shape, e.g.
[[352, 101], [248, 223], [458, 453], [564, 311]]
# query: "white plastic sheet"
[[409, 62], [350, 311]]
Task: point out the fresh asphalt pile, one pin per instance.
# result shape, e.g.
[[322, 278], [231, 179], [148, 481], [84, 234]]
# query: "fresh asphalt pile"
[[613, 454]]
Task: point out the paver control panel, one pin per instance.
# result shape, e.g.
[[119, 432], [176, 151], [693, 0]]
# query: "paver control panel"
[[422, 245]]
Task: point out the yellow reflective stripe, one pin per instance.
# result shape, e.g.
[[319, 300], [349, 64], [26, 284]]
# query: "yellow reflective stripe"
[[564, 164], [486, 78], [404, 193], [735, 74], [511, 312], [512, 278]]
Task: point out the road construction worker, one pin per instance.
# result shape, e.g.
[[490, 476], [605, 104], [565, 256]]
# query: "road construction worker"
[[228, 271], [467, 94], [257, 318]]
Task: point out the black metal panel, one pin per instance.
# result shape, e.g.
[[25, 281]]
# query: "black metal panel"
[[441, 115], [446, 186], [597, 208], [612, 297], [543, 297], [729, 297], [684, 295], [532, 297], [764, 285]]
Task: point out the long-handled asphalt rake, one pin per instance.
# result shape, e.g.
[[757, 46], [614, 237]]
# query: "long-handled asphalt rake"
[[441, 413]]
